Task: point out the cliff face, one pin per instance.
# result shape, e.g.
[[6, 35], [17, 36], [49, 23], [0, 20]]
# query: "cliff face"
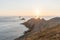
[[40, 29]]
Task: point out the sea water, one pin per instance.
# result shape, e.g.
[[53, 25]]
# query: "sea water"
[[11, 27]]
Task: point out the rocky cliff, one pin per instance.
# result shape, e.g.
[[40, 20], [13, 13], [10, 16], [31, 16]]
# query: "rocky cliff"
[[41, 29]]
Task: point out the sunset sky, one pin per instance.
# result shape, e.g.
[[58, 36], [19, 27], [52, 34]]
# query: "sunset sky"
[[29, 7]]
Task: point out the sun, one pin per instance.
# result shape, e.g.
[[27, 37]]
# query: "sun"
[[37, 13]]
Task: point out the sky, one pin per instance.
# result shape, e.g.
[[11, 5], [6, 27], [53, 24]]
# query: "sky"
[[29, 7]]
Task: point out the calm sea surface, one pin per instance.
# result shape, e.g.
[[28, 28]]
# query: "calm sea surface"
[[11, 27]]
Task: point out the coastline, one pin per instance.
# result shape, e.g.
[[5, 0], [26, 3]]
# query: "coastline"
[[38, 28]]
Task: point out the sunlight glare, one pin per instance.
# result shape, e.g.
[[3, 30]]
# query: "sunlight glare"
[[37, 13]]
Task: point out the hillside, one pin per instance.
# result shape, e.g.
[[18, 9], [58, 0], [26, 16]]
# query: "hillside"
[[40, 29]]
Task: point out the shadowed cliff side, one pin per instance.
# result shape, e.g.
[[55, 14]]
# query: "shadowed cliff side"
[[41, 29]]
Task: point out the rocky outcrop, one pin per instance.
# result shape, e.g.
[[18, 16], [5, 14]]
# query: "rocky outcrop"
[[40, 29]]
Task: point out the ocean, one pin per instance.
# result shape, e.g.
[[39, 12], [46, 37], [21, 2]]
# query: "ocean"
[[11, 27]]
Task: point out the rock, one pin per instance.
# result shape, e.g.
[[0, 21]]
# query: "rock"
[[19, 16], [41, 29], [23, 19]]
